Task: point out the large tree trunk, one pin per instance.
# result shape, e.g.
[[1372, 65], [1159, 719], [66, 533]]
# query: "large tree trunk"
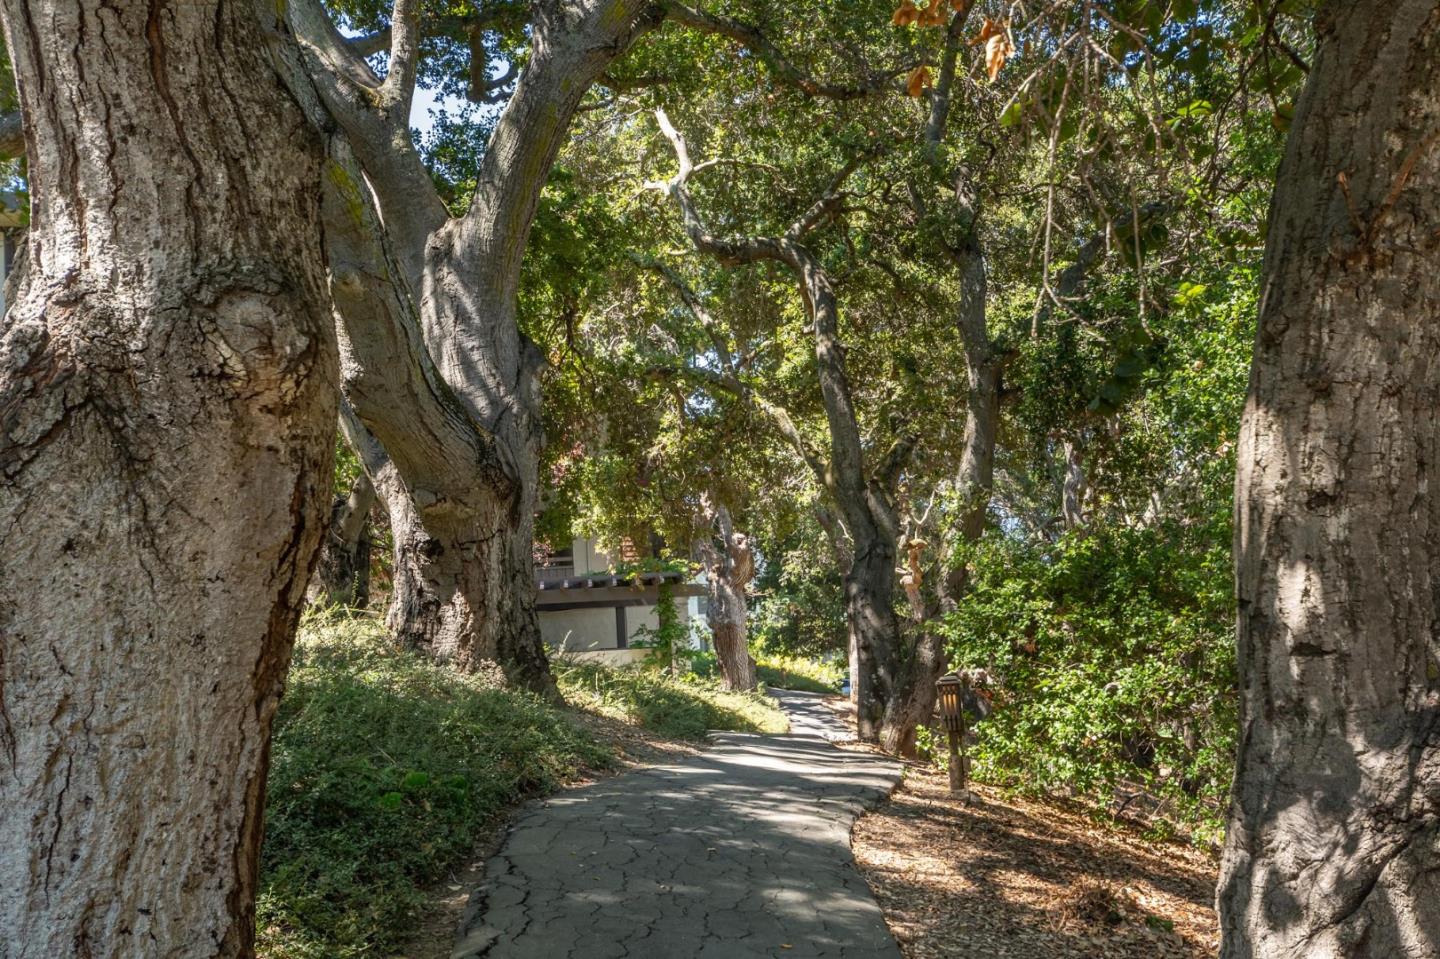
[[729, 567], [1334, 840], [874, 629], [167, 417], [464, 588], [460, 514], [913, 705], [442, 291]]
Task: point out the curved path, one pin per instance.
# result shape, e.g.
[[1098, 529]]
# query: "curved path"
[[740, 852]]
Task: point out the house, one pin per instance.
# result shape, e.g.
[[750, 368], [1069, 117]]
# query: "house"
[[589, 612]]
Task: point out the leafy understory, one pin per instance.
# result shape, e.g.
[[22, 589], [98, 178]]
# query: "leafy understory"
[[388, 768], [684, 707]]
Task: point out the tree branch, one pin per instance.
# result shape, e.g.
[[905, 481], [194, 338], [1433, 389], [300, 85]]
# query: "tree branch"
[[829, 204], [730, 380], [399, 87], [370, 44], [567, 55], [777, 414], [887, 474], [347, 89], [437, 445], [695, 305], [940, 96], [482, 88], [754, 40], [844, 474]]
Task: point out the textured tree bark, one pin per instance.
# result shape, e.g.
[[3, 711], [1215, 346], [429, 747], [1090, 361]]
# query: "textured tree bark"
[[729, 567], [167, 416], [1333, 847], [874, 627], [913, 705], [342, 576], [463, 591], [464, 587], [441, 291], [1072, 489]]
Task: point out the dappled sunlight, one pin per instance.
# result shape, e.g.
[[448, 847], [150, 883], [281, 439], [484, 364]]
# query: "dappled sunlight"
[[956, 880], [744, 847]]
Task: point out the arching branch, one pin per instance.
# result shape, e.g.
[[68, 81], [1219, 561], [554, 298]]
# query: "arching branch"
[[730, 380], [844, 474]]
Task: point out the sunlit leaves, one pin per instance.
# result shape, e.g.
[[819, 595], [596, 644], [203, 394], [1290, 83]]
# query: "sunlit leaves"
[[998, 43], [905, 14]]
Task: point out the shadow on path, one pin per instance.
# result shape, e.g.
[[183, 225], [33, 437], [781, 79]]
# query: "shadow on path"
[[738, 853]]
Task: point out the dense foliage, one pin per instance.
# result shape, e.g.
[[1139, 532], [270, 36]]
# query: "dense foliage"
[[1112, 163], [387, 768], [1109, 658]]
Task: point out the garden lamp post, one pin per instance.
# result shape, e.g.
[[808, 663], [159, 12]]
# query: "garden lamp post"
[[950, 690]]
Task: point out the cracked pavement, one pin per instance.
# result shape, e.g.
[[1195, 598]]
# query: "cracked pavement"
[[740, 852]]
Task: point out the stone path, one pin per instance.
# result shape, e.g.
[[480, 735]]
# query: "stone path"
[[740, 852]]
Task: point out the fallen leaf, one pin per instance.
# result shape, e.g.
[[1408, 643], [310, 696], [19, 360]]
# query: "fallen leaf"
[[918, 81]]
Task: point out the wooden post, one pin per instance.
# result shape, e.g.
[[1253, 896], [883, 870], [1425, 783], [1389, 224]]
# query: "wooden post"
[[957, 774], [950, 695], [959, 758]]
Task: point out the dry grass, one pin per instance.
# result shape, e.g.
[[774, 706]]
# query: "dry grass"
[[1014, 878]]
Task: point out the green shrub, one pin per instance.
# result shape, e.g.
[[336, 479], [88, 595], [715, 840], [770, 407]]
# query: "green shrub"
[[385, 770], [1114, 660], [682, 707]]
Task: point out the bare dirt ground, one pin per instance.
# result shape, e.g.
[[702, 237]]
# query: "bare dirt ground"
[[1013, 878]]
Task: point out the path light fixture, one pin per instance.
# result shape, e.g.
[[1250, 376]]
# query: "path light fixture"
[[951, 690]]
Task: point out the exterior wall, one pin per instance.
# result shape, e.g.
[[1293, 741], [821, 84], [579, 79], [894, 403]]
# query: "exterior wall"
[[593, 628], [578, 629], [575, 630], [588, 559], [612, 657]]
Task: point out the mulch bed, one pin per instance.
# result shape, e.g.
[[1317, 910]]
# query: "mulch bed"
[[1016, 878]]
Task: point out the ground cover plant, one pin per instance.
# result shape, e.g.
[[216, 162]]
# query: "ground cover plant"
[[684, 707], [387, 768]]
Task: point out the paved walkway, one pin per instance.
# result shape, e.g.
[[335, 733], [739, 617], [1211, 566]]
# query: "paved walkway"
[[740, 852]]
